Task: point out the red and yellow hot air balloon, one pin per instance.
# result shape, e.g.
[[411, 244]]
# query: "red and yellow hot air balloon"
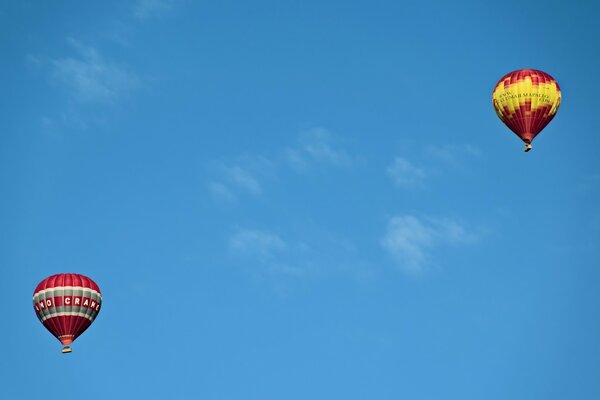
[[67, 304], [526, 100]]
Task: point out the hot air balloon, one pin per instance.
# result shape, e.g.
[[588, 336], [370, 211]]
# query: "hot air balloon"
[[67, 304], [526, 100]]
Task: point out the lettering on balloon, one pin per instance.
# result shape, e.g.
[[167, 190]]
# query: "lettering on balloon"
[[506, 96], [66, 301]]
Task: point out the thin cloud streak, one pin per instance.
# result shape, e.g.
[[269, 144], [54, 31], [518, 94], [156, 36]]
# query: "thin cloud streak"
[[221, 193], [313, 254], [247, 175], [317, 144], [316, 147], [89, 77], [258, 243], [404, 173], [266, 250], [412, 241], [242, 179], [244, 176], [454, 155], [147, 9], [435, 160]]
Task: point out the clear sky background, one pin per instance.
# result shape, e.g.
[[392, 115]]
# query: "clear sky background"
[[300, 199]]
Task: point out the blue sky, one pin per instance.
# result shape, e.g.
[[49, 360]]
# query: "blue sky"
[[292, 200]]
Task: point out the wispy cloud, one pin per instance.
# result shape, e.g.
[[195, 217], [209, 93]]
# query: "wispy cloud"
[[260, 243], [404, 173], [221, 193], [411, 241], [434, 160], [242, 176], [316, 146], [454, 155], [268, 252], [247, 175], [147, 9], [90, 77], [310, 253]]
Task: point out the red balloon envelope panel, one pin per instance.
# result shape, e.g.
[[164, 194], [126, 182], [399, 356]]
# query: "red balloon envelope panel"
[[67, 304]]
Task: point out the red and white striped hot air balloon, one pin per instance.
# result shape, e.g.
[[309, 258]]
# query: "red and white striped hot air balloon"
[[67, 304]]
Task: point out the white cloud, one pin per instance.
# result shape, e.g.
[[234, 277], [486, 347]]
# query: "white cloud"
[[404, 173], [411, 241], [90, 77], [32, 60], [261, 244], [309, 254], [438, 159], [316, 146], [295, 159], [146, 9], [452, 154], [74, 117], [249, 174], [270, 255], [243, 176], [242, 179], [221, 193]]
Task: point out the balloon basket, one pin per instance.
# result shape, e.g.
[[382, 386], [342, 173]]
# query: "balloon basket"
[[66, 350], [527, 147]]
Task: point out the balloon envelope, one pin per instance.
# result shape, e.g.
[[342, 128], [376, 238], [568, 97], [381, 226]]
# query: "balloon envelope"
[[526, 100], [67, 304]]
